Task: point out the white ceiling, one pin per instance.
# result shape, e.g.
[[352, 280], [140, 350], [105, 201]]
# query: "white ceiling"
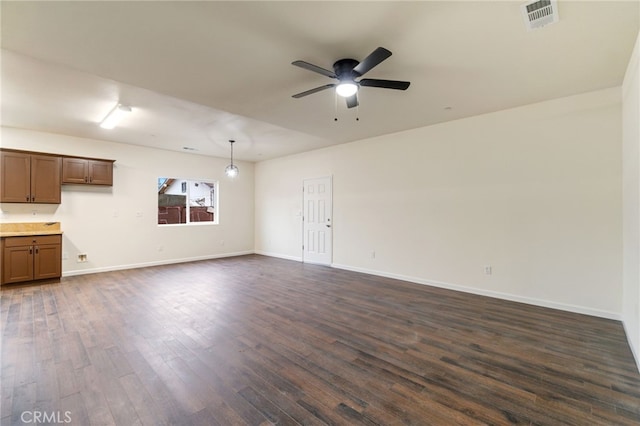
[[200, 73]]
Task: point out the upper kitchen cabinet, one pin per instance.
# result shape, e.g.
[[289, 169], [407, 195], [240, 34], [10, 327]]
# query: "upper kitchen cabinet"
[[29, 177], [87, 171]]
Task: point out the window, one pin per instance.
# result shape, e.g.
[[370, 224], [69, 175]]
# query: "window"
[[187, 201]]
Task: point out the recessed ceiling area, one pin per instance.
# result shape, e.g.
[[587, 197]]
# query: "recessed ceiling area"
[[200, 73]]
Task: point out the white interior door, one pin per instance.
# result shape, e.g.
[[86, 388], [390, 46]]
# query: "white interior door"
[[317, 224]]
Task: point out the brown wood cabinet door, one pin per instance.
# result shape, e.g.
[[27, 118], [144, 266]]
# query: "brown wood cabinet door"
[[85, 171], [15, 177], [17, 264], [47, 261], [100, 172], [45, 179], [75, 170], [31, 258]]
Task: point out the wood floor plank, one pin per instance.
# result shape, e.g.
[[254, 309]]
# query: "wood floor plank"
[[218, 360], [67, 377], [170, 410], [7, 395], [120, 406], [272, 412], [218, 397], [256, 340], [146, 409], [71, 409], [47, 391], [203, 417], [95, 402], [24, 399], [188, 398]]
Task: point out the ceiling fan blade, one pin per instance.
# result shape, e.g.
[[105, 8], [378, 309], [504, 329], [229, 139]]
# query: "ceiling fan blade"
[[314, 68], [385, 84], [377, 56], [311, 91], [352, 101]]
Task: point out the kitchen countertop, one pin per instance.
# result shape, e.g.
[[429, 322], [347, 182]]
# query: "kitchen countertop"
[[29, 228]]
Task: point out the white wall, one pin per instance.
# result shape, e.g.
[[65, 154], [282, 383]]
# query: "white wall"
[[535, 192], [117, 226], [631, 205]]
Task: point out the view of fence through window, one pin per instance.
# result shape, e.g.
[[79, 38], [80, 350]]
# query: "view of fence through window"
[[186, 201]]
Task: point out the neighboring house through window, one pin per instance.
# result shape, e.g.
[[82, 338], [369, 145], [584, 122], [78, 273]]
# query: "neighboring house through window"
[[187, 201]]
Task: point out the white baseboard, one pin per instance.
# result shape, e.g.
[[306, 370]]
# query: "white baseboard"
[[280, 256], [449, 286], [287, 257], [633, 350], [489, 293], [155, 263], [439, 284], [416, 280]]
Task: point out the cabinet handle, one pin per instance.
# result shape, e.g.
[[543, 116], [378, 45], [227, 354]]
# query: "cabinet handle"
[[30, 249], [86, 179], [37, 249]]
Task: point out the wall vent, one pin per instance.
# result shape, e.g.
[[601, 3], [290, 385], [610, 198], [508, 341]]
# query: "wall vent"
[[539, 13]]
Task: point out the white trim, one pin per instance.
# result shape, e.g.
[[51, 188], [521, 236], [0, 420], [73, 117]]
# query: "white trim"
[[157, 263], [489, 293], [278, 255], [309, 262], [449, 286], [633, 352]]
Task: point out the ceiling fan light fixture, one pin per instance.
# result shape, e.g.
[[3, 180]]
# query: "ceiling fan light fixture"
[[231, 170], [115, 116], [346, 88]]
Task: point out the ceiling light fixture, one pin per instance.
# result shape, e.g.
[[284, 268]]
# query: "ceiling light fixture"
[[346, 88], [115, 115], [231, 170]]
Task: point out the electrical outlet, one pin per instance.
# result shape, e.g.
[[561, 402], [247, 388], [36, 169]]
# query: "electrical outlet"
[[487, 270], [82, 257]]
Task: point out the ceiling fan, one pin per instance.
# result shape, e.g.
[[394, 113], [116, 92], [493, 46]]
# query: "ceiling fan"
[[346, 71]]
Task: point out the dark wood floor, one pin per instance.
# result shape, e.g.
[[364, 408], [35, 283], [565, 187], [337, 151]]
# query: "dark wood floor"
[[256, 340]]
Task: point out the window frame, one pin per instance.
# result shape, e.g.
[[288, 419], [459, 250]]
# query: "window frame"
[[184, 187]]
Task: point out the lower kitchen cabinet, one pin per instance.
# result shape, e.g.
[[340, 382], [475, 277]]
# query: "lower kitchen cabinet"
[[31, 258]]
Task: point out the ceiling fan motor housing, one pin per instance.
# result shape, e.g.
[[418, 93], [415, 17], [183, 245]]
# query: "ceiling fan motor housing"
[[344, 69]]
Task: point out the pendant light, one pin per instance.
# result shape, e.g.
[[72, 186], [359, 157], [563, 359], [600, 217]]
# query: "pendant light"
[[231, 170]]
